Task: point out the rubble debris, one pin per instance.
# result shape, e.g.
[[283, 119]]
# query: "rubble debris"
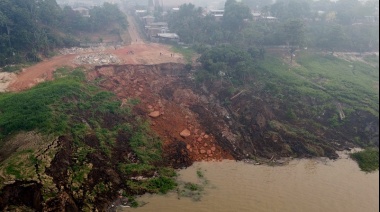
[[185, 133], [97, 59], [154, 114]]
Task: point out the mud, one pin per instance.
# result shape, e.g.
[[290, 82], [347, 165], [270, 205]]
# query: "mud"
[[219, 124], [22, 193], [244, 124]]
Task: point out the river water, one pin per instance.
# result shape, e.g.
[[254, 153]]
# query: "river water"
[[319, 185]]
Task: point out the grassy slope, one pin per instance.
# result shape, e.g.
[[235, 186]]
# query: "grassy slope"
[[326, 78], [69, 106]]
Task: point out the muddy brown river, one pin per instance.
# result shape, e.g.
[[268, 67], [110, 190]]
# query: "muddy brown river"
[[303, 185]]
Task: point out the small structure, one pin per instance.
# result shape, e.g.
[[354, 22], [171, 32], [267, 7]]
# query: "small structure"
[[148, 19], [83, 11], [256, 16], [218, 14], [152, 29], [141, 13], [167, 37], [270, 19]]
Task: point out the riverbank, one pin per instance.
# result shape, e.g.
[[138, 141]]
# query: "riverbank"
[[302, 185]]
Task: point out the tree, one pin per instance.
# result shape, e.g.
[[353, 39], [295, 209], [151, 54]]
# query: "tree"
[[257, 4], [335, 37], [293, 31], [230, 61], [234, 15], [290, 9]]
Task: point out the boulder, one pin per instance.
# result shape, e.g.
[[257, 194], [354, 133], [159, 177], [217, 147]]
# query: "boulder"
[[185, 133], [155, 114]]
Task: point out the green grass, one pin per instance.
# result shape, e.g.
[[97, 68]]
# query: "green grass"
[[12, 68], [349, 82], [368, 159], [325, 78], [147, 147], [187, 53], [30, 110], [153, 185], [71, 107]]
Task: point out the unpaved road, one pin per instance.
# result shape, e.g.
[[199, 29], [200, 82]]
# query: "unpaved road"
[[143, 53]]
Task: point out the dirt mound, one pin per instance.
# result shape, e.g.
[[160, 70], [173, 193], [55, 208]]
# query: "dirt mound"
[[142, 54], [156, 86]]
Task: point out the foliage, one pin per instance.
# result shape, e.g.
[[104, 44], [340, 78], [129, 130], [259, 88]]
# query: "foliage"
[[228, 62], [234, 15], [368, 159], [29, 29], [153, 185], [341, 26], [187, 53]]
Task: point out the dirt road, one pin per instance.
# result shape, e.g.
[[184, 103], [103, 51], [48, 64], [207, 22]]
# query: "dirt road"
[[142, 53], [133, 31]]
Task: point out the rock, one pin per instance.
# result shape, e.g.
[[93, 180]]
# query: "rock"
[[185, 133], [150, 107], [141, 89], [154, 114], [213, 149], [199, 139], [208, 152], [205, 145], [188, 146], [203, 151], [206, 136]]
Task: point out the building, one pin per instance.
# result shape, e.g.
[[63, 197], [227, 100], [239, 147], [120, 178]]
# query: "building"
[[141, 13], [153, 29], [83, 11], [256, 16], [218, 14], [166, 38], [147, 20]]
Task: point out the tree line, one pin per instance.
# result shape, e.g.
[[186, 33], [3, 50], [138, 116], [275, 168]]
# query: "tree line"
[[29, 29], [333, 26]]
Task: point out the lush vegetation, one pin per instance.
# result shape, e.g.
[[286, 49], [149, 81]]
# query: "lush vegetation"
[[321, 91], [29, 29], [95, 123], [340, 26], [367, 159]]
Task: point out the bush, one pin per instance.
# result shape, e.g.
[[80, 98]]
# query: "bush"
[[368, 159]]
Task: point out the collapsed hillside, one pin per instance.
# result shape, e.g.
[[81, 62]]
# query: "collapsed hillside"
[[244, 123], [105, 147]]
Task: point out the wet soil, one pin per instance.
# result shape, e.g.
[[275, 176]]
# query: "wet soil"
[[196, 122]]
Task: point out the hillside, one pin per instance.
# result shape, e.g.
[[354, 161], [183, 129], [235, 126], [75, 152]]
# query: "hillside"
[[123, 128]]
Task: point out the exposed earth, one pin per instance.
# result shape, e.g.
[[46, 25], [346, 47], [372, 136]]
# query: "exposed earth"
[[196, 122]]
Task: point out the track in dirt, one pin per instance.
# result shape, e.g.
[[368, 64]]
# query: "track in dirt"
[[143, 53]]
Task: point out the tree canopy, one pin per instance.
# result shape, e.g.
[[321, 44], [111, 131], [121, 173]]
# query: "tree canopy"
[[31, 28]]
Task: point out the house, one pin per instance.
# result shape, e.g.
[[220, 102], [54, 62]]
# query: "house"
[[218, 14], [270, 19], [83, 11], [256, 16], [141, 13], [148, 19], [167, 38], [154, 28]]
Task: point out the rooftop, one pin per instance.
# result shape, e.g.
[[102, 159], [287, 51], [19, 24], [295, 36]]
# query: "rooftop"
[[168, 35]]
